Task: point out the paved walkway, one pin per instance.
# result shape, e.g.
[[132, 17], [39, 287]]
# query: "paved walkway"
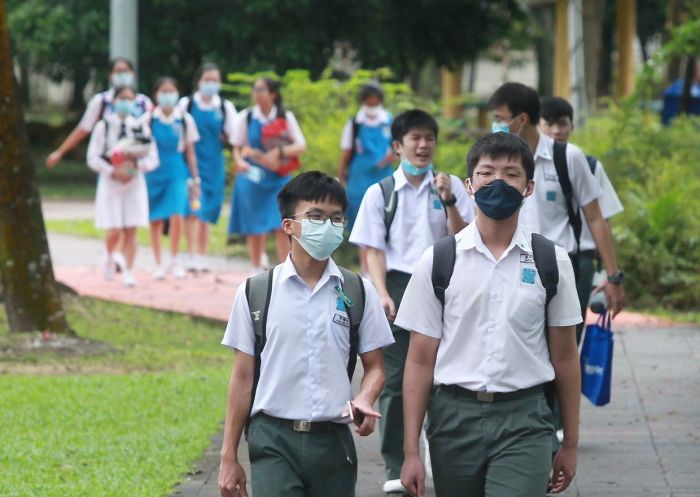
[[646, 443]]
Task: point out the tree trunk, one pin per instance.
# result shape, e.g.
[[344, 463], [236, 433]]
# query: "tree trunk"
[[605, 69], [544, 48], [592, 13], [80, 79], [31, 297]]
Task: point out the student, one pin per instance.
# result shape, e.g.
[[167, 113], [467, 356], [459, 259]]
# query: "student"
[[253, 210], [121, 73], [557, 122], [298, 436], [515, 108], [479, 364], [121, 202], [367, 154], [428, 206], [175, 133], [215, 118]]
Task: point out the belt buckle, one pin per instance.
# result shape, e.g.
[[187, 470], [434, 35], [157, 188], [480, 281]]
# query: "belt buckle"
[[302, 425], [484, 396]]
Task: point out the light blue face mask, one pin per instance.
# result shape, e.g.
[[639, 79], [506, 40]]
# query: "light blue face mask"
[[167, 98], [210, 88], [320, 240], [124, 107], [500, 127], [123, 78], [412, 170]]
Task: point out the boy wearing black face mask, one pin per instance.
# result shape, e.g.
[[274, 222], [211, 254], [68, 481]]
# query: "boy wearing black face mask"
[[478, 364]]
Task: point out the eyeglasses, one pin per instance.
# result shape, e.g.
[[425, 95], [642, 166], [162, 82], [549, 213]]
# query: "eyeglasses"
[[488, 177], [319, 217]]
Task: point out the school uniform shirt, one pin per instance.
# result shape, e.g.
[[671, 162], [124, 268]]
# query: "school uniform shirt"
[[191, 134], [92, 113], [214, 103], [383, 118], [492, 338], [240, 134], [119, 205], [545, 211], [609, 206], [419, 222], [303, 372]]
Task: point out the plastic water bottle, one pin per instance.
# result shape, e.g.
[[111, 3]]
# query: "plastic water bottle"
[[598, 301]]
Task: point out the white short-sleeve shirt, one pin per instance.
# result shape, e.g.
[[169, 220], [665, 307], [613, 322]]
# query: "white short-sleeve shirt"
[[419, 222], [240, 135], [190, 126], [94, 107], [492, 338], [545, 210], [303, 372], [383, 118], [610, 205], [214, 103]]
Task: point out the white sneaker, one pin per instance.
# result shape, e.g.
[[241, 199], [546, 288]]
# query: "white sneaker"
[[119, 261], [159, 272], [265, 260], [393, 487], [108, 268], [256, 270], [128, 279], [190, 263], [202, 265], [177, 270]]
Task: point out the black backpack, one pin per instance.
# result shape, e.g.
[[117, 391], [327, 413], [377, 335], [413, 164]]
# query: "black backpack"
[[391, 201], [544, 253], [258, 290]]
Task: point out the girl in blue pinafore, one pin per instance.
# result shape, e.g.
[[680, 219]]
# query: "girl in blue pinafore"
[[367, 153], [175, 133], [214, 117], [254, 210]]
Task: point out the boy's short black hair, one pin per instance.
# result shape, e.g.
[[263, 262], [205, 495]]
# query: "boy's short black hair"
[[412, 119], [498, 145], [369, 90], [312, 186], [518, 98], [554, 108]]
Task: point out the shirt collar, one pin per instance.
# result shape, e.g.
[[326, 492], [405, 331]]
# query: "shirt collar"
[[382, 117], [544, 147], [470, 238], [258, 114], [289, 271], [214, 102], [401, 180], [174, 115]]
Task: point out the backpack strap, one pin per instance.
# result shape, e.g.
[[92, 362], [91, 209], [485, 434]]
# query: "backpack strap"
[[444, 255], [565, 181], [391, 200], [103, 106], [544, 253], [592, 162], [354, 288], [190, 103], [355, 132], [105, 148], [258, 290]]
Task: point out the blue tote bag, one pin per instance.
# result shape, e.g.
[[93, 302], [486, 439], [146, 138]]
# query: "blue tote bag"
[[596, 361]]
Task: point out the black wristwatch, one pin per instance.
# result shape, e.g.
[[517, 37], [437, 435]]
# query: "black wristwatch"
[[616, 278], [450, 201]]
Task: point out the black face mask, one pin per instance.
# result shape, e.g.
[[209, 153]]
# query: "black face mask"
[[498, 200]]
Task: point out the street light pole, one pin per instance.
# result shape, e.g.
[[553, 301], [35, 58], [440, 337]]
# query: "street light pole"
[[123, 30]]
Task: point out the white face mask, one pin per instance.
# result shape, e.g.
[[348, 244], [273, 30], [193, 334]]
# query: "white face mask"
[[371, 111], [123, 78], [319, 240]]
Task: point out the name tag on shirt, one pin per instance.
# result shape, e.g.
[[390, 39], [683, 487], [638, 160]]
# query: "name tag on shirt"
[[551, 177], [527, 258], [341, 320], [528, 275]]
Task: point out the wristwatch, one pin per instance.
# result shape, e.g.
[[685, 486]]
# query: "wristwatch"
[[616, 278], [450, 201]]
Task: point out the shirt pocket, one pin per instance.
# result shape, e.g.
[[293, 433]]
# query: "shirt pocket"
[[526, 310], [340, 332]]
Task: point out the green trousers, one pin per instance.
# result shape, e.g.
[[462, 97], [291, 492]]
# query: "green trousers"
[[489, 449], [391, 399], [288, 463]]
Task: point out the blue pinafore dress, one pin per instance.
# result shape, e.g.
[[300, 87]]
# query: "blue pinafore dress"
[[210, 162], [374, 143], [254, 209], [167, 184]]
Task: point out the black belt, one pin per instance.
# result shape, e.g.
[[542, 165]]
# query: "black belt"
[[458, 391], [303, 425]]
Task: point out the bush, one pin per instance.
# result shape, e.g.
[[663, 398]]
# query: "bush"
[[654, 170]]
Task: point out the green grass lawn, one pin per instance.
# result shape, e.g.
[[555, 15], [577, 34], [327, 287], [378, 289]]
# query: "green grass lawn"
[[129, 421]]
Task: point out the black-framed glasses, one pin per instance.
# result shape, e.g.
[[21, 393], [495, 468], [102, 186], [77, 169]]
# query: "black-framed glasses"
[[319, 217], [488, 177]]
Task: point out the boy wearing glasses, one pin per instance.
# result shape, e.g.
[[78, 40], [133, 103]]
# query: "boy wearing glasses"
[[396, 222], [299, 441], [478, 362]]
